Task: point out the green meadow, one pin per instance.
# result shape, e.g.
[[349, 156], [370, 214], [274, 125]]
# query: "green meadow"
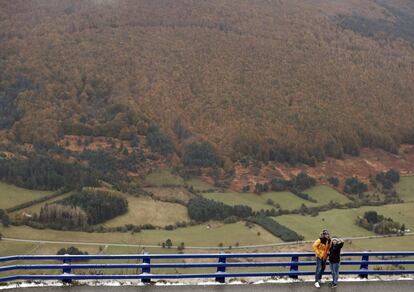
[[342, 222], [11, 195], [405, 188], [287, 200]]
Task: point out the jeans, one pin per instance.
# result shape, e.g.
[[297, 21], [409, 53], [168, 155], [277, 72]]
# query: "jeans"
[[320, 268], [335, 272]]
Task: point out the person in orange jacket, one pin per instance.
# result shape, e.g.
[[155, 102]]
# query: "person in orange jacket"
[[321, 248]]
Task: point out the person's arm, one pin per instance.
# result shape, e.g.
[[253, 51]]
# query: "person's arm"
[[341, 243], [316, 245]]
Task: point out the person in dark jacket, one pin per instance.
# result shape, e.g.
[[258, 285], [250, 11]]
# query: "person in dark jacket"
[[335, 259]]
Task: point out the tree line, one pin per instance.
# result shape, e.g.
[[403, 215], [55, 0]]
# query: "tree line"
[[277, 229], [80, 210], [296, 186], [42, 172], [201, 210], [99, 206]]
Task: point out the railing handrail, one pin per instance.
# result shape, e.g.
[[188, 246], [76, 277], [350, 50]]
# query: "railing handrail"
[[193, 276], [72, 262], [194, 256], [191, 265]]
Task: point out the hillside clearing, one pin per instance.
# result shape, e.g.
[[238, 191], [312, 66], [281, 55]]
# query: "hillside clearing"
[[324, 194], [170, 194], [199, 185], [11, 195], [36, 208], [405, 188], [286, 200], [144, 210], [163, 177]]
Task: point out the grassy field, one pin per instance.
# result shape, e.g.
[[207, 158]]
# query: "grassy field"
[[257, 202], [405, 188], [177, 193], [199, 185], [381, 244], [199, 235], [13, 248], [144, 210], [324, 194], [163, 177], [338, 222], [11, 195], [287, 200], [342, 222], [232, 198], [36, 208]]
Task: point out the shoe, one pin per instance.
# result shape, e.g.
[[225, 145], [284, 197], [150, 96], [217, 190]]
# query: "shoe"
[[333, 286], [317, 285]]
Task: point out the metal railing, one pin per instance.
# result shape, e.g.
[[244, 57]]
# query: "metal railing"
[[224, 261]]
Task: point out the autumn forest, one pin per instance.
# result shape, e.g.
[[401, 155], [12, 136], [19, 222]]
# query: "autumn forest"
[[199, 84]]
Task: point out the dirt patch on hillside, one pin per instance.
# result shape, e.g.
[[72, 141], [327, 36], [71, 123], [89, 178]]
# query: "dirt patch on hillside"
[[82, 143], [366, 165]]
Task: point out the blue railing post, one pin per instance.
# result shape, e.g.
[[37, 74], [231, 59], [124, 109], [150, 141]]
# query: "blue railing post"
[[364, 266], [294, 267], [67, 269], [146, 260], [221, 269]]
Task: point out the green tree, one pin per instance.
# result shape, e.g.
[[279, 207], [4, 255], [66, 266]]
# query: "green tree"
[[168, 243], [334, 181], [158, 141], [5, 220]]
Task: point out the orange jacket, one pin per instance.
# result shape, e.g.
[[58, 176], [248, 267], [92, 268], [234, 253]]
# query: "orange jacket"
[[321, 249]]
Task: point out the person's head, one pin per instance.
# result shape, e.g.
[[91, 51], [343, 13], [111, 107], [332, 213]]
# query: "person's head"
[[335, 240], [325, 234]]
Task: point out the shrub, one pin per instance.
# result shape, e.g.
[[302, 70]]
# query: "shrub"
[[393, 175], [387, 179], [168, 243], [72, 251], [334, 181], [201, 155], [354, 186], [5, 220], [158, 141], [379, 224], [303, 196], [303, 181], [230, 220], [279, 185], [260, 188]]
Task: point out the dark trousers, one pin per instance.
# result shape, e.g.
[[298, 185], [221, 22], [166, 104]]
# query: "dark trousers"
[[320, 268], [335, 272]]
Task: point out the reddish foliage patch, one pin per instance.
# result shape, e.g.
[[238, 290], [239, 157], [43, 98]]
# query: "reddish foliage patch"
[[366, 165]]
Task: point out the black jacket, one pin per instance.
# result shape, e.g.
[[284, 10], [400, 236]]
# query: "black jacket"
[[335, 253]]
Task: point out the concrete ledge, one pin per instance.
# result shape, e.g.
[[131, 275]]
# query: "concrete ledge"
[[347, 285]]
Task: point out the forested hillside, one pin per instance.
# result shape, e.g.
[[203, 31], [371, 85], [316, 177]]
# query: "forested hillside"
[[203, 83]]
